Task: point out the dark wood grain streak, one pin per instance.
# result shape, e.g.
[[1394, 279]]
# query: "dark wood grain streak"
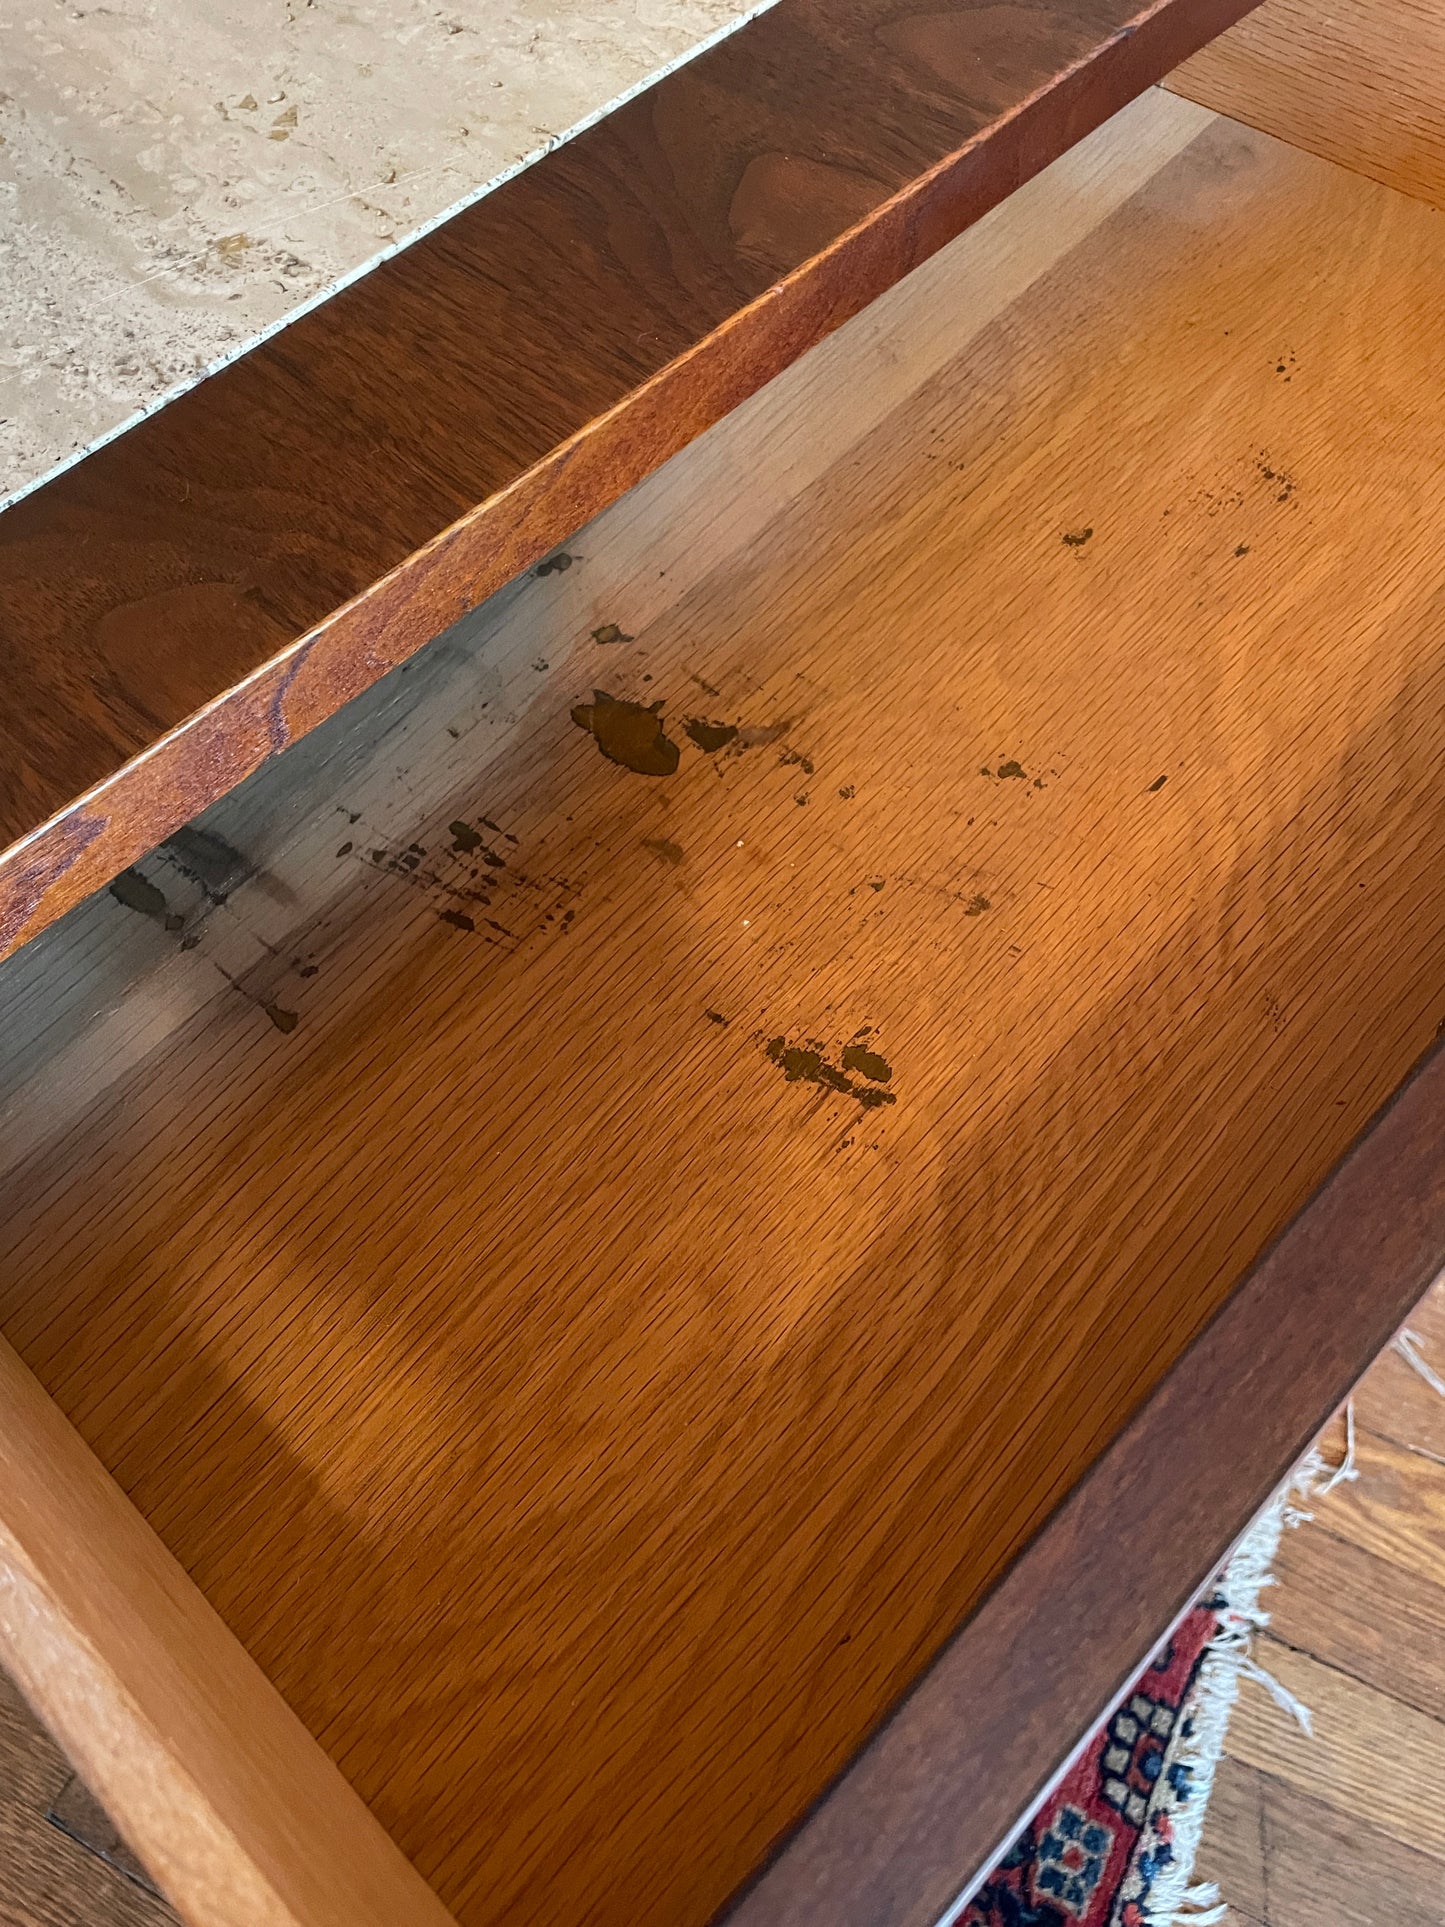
[[932, 1798], [201, 592]]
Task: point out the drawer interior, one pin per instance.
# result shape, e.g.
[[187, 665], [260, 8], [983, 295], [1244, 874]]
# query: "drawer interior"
[[672, 1154]]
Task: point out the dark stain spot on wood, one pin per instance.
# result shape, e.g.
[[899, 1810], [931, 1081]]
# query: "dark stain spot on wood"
[[209, 860], [798, 759], [709, 737], [464, 838], [716, 1017], [458, 919], [610, 632], [346, 849], [557, 564], [976, 906], [1078, 539], [806, 1064], [1006, 770], [138, 893], [1157, 784], [801, 797], [630, 734], [848, 792], [307, 970], [867, 1063], [660, 847], [284, 1020], [1243, 549], [876, 883]]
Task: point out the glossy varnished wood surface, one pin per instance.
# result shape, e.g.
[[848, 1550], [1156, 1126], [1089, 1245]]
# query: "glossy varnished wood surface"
[[238, 1813], [590, 1414], [1361, 82], [200, 593], [934, 1799]]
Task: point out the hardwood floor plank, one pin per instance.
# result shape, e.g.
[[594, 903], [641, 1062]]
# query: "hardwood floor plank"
[[1395, 1510], [1288, 1858], [201, 592], [1371, 1752], [1360, 82], [1396, 1401], [1370, 1617], [47, 1879], [1231, 1848]]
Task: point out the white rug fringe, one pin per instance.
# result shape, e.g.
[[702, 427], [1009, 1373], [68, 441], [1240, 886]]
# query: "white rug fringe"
[[1408, 1346], [1175, 1900]]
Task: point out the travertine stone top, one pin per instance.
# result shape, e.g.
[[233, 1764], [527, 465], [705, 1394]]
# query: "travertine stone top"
[[180, 177]]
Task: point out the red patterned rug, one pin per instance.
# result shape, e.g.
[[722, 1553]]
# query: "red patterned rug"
[[1113, 1844], [1093, 1854]]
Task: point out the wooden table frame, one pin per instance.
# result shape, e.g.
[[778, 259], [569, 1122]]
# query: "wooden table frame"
[[204, 590]]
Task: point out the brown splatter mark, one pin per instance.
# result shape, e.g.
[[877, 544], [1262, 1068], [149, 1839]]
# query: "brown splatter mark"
[[1077, 541], [709, 737], [801, 797], [716, 1017], [848, 792], [797, 759], [867, 1063], [976, 906], [630, 734], [209, 860], [1157, 784], [805, 1064], [346, 849], [660, 847], [284, 1020], [557, 564], [464, 838], [610, 632], [1243, 549], [458, 919], [1007, 770], [137, 893]]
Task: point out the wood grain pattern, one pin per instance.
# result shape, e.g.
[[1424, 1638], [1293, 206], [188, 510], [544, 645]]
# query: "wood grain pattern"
[[1361, 82], [211, 1778], [47, 1879], [587, 1494], [1381, 1622], [1396, 1511], [200, 593], [931, 1802], [1369, 1632], [1285, 1858], [1355, 1727]]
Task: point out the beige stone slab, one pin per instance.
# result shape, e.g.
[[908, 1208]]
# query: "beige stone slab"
[[180, 177]]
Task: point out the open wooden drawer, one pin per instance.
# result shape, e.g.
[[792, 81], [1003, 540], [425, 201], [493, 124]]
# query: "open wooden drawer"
[[594, 1210]]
